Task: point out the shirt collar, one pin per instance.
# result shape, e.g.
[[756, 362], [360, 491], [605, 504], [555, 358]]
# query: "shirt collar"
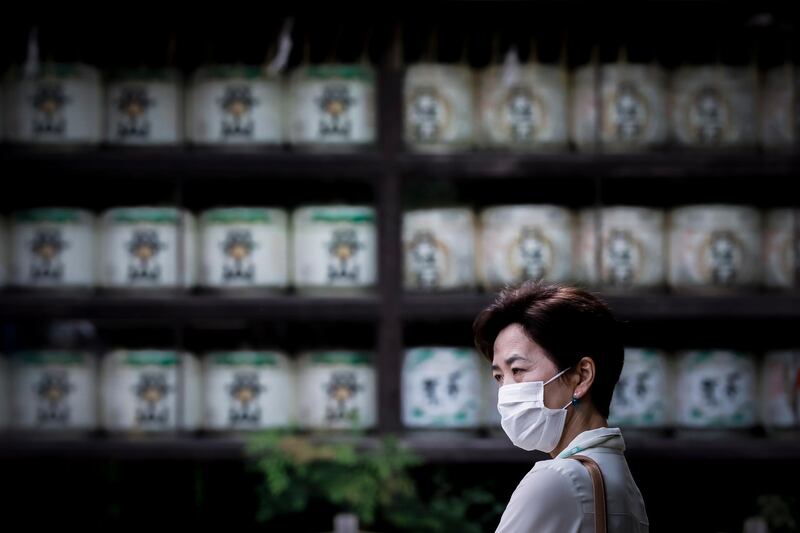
[[609, 438]]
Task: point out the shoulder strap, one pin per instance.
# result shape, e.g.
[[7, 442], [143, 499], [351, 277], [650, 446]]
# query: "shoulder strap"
[[599, 489]]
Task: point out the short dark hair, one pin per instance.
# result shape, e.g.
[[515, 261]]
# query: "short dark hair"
[[567, 322]]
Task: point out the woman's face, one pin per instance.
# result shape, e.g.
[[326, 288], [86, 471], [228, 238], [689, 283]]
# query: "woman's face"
[[518, 359]]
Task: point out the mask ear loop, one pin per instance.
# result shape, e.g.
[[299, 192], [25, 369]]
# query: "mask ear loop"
[[555, 377], [574, 401]]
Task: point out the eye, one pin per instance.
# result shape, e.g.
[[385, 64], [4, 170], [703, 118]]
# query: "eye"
[[516, 371], [498, 378]]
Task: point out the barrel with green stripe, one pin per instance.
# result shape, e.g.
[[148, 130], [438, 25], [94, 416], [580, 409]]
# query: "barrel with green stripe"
[[53, 390], [61, 105], [244, 247], [441, 388], [248, 390], [53, 247], [336, 390], [234, 105], [335, 247], [150, 391], [332, 105]]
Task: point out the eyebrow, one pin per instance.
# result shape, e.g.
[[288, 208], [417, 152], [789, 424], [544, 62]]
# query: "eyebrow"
[[513, 359]]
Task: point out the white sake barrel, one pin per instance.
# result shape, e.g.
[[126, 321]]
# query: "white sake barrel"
[[520, 242], [53, 247], [779, 111], [715, 106], [714, 246], [780, 390], [441, 388], [145, 107], [633, 247], [715, 389], [332, 105], [148, 248], [5, 394], [234, 105], [62, 104], [247, 390], [524, 107], [334, 247], [781, 247], [336, 389], [54, 390], [490, 416], [643, 393], [633, 102], [439, 107], [146, 391], [439, 249], [245, 248]]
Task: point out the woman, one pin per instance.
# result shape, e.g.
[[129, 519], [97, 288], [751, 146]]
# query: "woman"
[[556, 354]]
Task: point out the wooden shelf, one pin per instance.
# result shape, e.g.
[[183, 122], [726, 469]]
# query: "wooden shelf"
[[663, 164], [457, 449], [448, 306], [187, 163], [763, 306], [180, 308]]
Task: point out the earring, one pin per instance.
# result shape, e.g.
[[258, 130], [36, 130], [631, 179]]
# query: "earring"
[[575, 400]]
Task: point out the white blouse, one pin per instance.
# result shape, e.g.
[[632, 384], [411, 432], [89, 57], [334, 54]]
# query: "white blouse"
[[556, 495]]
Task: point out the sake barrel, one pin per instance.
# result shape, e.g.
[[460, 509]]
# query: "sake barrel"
[[61, 105], [53, 247], [715, 106], [336, 389], [524, 107], [54, 390], [780, 115], [234, 105], [332, 105], [628, 100], [150, 391], [632, 247], [520, 242], [439, 249], [643, 393], [247, 390], [148, 248], [439, 107], [780, 390], [144, 107], [441, 388], [716, 389], [781, 248], [334, 247], [490, 416], [714, 246], [244, 248]]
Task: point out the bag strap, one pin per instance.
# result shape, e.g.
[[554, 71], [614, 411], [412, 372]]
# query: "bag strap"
[[599, 489]]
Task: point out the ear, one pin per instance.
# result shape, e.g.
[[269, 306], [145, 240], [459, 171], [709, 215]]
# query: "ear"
[[585, 370]]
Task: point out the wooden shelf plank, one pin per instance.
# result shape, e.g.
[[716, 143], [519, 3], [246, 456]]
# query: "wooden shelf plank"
[[185, 307], [457, 449], [662, 164], [656, 306], [189, 164]]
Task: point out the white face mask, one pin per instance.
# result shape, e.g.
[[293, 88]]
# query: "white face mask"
[[525, 419]]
